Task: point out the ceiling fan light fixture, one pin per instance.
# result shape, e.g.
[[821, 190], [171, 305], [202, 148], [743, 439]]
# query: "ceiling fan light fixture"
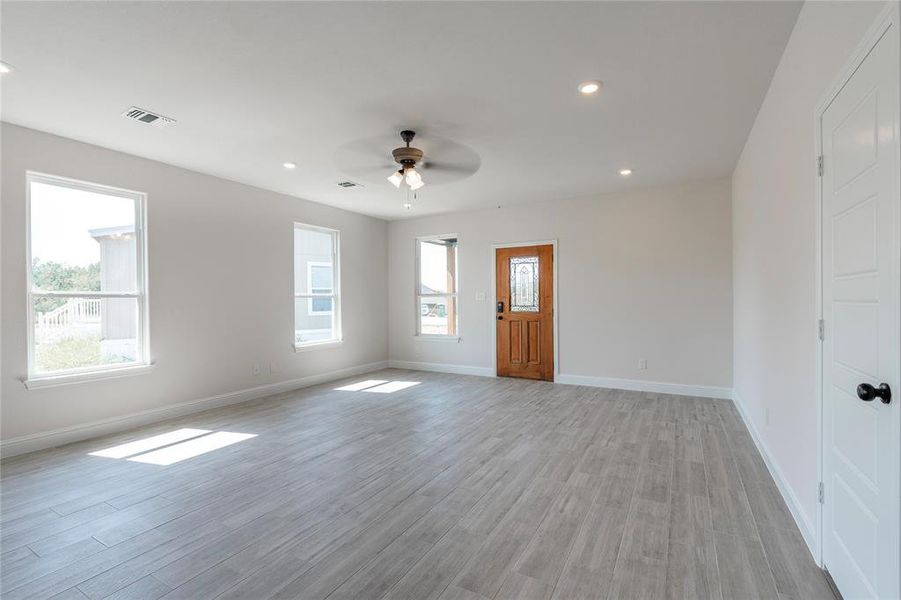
[[417, 185], [396, 178], [413, 177]]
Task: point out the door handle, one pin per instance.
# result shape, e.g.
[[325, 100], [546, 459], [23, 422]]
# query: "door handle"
[[867, 392], [500, 307]]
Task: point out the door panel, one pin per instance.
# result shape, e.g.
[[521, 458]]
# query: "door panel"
[[525, 326], [534, 342], [854, 141], [861, 262], [851, 256], [855, 327], [515, 341]]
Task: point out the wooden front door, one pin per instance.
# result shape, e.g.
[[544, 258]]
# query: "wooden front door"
[[525, 312]]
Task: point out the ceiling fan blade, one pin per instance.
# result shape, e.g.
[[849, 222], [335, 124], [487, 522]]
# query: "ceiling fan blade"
[[430, 166], [367, 160]]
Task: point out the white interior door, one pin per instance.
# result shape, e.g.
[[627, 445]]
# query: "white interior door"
[[861, 257]]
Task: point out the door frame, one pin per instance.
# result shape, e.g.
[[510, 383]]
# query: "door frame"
[[493, 298], [889, 17]]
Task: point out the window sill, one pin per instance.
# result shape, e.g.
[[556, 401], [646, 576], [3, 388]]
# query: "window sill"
[[452, 339], [70, 378], [317, 345]]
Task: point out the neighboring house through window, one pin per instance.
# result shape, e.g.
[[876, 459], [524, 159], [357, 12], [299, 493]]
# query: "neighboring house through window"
[[87, 293], [319, 281], [436, 286], [317, 308]]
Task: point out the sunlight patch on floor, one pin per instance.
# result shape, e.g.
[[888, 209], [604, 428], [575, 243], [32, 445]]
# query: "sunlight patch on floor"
[[377, 386], [151, 443], [361, 385], [191, 448], [175, 446], [391, 386]]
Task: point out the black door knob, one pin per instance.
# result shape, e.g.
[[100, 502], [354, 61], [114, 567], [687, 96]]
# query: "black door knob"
[[867, 392]]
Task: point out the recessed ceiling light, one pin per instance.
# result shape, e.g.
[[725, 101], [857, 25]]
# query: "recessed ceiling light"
[[625, 172], [589, 87], [5, 68], [289, 165]]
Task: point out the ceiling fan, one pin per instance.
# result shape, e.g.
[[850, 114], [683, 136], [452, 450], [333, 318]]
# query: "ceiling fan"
[[407, 157], [437, 159]]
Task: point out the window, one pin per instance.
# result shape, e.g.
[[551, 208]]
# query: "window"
[[317, 306], [436, 286], [86, 278]]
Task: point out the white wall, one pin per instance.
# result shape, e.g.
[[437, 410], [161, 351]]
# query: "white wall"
[[221, 286], [641, 275], [773, 216]]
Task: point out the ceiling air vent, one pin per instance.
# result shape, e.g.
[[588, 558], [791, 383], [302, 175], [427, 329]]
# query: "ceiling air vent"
[[348, 184], [145, 116]]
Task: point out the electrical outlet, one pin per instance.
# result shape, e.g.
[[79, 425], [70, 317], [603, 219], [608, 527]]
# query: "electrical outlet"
[[481, 296], [255, 369], [642, 364]]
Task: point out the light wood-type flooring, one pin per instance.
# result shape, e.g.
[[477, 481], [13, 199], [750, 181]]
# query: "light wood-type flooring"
[[458, 487]]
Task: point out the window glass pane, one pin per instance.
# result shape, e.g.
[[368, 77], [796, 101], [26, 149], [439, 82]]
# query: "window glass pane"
[[524, 284], [312, 327], [437, 266], [321, 279], [320, 305], [74, 333], [82, 241], [312, 259], [437, 315]]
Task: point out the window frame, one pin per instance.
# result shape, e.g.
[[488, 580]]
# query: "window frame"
[[140, 295], [337, 333], [418, 295]]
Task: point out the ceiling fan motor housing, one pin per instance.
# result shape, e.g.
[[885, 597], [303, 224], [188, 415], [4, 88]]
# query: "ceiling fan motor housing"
[[407, 156]]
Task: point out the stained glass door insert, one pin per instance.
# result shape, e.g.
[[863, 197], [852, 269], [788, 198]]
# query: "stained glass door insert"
[[524, 284]]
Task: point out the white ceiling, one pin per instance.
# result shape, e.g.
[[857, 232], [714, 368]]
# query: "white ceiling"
[[255, 84]]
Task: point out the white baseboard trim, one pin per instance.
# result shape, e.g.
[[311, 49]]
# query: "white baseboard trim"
[[441, 368], [638, 385], [807, 527], [679, 389], [77, 433]]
